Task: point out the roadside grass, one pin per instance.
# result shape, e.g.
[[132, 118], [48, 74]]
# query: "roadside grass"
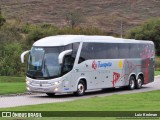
[[7, 79], [12, 85], [157, 73], [147, 101], [12, 88]]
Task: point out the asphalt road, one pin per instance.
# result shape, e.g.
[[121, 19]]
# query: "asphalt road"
[[13, 101]]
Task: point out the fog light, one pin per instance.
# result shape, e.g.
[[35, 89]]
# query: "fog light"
[[28, 88], [56, 89], [56, 83], [27, 82]]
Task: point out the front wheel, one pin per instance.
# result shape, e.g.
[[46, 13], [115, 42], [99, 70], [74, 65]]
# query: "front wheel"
[[132, 83], [80, 88]]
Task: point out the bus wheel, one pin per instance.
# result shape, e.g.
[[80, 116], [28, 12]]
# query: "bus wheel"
[[139, 82], [50, 94], [132, 83], [80, 88]]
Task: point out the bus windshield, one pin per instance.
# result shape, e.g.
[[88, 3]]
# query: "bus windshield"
[[43, 62]]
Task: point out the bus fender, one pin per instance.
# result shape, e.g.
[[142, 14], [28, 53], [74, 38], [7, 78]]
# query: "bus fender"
[[140, 73], [131, 75]]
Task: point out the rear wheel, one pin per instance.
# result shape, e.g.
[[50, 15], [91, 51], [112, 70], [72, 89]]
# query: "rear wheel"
[[80, 88], [132, 83], [50, 94], [139, 82]]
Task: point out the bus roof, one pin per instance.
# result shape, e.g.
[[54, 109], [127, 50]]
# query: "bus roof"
[[61, 40]]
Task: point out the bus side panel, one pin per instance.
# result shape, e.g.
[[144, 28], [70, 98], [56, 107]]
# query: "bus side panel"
[[84, 71], [148, 70], [151, 70], [131, 66], [137, 66]]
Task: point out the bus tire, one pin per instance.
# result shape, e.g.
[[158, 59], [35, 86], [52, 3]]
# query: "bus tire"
[[132, 83], [80, 88], [139, 82], [50, 94]]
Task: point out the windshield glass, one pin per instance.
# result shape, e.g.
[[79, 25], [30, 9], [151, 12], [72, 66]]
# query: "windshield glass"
[[43, 62]]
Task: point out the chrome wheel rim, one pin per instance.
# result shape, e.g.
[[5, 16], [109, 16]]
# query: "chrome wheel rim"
[[139, 82], [132, 84], [80, 88]]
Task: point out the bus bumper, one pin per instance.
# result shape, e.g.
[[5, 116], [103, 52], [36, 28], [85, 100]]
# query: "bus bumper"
[[44, 86]]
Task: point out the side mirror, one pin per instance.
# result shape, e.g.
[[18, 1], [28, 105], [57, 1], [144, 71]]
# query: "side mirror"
[[62, 54], [23, 54]]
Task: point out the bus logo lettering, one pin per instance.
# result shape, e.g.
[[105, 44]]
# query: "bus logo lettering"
[[99, 64], [109, 64]]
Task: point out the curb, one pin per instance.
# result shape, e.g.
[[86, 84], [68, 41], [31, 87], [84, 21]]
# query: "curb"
[[18, 94], [157, 76]]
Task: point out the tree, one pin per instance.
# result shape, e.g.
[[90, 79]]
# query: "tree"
[[9, 59], [73, 18], [149, 30], [2, 19]]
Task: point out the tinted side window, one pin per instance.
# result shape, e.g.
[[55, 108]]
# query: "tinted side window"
[[98, 51], [105, 51], [134, 51], [112, 50], [123, 50], [75, 49], [68, 47], [68, 61], [86, 52], [67, 64]]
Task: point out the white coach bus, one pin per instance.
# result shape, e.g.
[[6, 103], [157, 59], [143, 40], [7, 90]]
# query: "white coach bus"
[[76, 63]]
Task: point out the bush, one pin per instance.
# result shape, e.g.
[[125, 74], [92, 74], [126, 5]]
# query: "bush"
[[157, 63], [150, 30], [11, 32], [40, 31], [10, 59]]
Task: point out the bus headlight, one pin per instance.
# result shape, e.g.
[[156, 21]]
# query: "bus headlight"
[[56, 89], [56, 83], [27, 81], [28, 88]]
